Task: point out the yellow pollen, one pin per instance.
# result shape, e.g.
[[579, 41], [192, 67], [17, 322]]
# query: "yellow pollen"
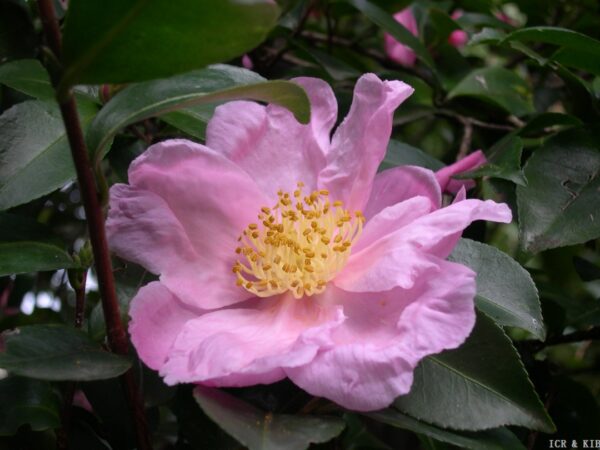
[[297, 247]]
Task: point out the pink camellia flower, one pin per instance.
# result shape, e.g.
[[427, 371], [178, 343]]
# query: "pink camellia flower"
[[402, 54], [468, 163], [396, 51], [458, 38], [282, 253]]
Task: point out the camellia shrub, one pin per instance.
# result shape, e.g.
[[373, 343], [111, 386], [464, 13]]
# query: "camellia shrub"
[[347, 224]]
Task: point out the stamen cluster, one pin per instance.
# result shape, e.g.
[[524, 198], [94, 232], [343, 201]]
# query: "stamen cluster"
[[298, 245]]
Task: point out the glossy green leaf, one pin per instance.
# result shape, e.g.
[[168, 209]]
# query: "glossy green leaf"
[[401, 154], [214, 84], [58, 352], [558, 36], [487, 36], [478, 386], [498, 86], [504, 161], [258, 430], [549, 121], [34, 151], [22, 257], [560, 205], [28, 76], [496, 439], [115, 41], [27, 401], [28, 246], [387, 22], [191, 120], [505, 291]]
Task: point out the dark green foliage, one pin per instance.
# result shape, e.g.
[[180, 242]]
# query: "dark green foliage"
[[525, 90]]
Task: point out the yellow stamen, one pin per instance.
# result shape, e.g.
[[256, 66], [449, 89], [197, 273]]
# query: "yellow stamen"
[[297, 247]]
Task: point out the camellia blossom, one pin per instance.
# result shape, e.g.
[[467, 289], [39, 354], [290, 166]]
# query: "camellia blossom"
[[282, 253], [404, 55], [458, 38], [396, 51]]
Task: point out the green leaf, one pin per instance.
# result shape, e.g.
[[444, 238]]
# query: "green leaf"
[[401, 154], [544, 121], [504, 161], [557, 36], [58, 352], [265, 431], [496, 439], [22, 257], [498, 86], [34, 151], [336, 68], [478, 386], [27, 401], [27, 76], [487, 36], [560, 205], [387, 22], [191, 120], [115, 41], [214, 84], [505, 291]]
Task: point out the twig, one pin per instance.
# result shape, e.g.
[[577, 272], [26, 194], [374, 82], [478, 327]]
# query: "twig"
[[78, 281], [465, 143], [473, 121], [114, 327], [578, 336]]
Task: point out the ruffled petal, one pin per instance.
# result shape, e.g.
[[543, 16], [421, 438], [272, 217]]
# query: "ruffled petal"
[[270, 144], [380, 268], [386, 334], [391, 219], [142, 228], [438, 232], [396, 51], [468, 163], [360, 142], [181, 218], [245, 346], [157, 317], [402, 183]]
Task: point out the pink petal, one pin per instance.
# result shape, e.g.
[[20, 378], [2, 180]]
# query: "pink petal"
[[391, 219], [157, 317], [458, 38], [468, 163], [240, 347], [396, 51], [270, 145], [401, 183], [438, 232], [386, 334], [382, 267], [181, 218], [360, 142], [247, 62]]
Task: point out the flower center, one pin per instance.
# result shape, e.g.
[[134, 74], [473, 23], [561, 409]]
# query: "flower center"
[[298, 245]]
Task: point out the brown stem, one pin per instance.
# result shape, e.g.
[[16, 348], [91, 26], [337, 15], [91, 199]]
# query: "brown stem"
[[80, 300], [115, 331], [465, 143], [578, 336]]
